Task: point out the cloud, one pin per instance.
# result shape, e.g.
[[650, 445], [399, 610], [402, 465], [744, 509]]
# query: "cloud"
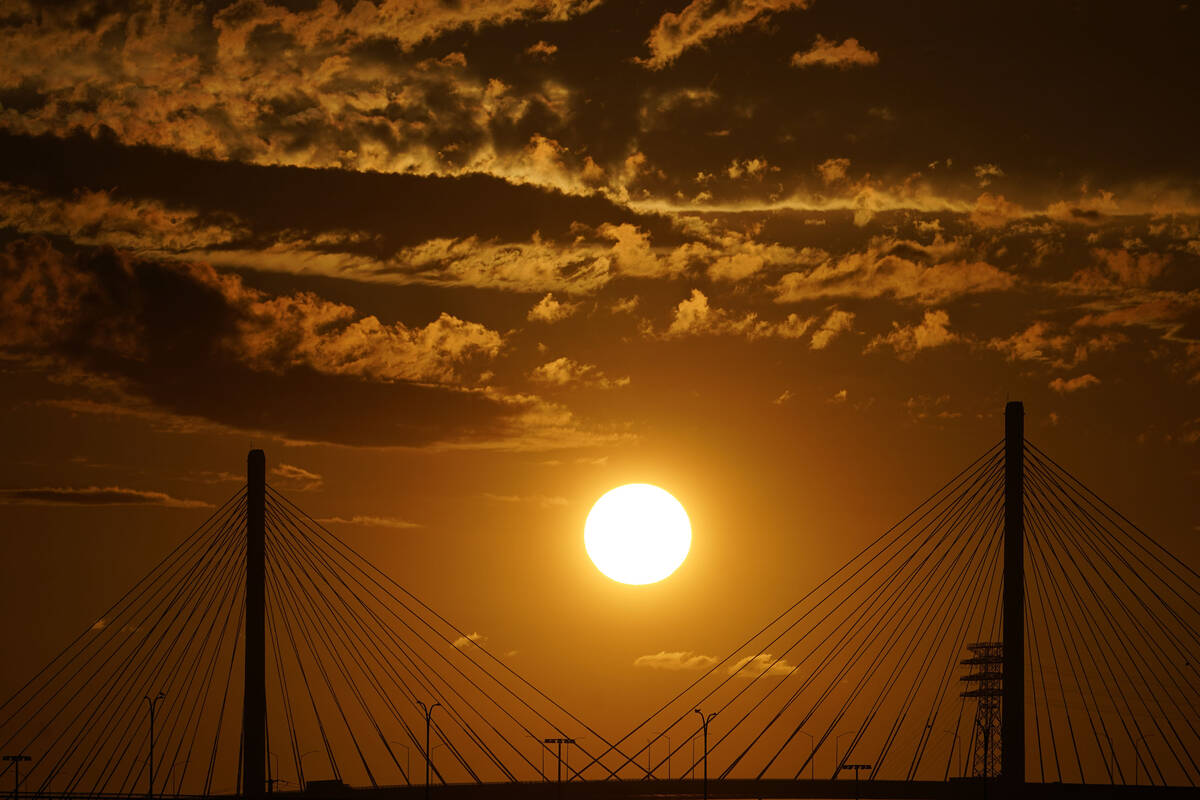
[[541, 500], [695, 317], [675, 661], [932, 331], [568, 372], [367, 521], [703, 20], [1074, 384], [550, 310], [783, 398], [828, 53], [94, 496], [903, 269], [929, 408], [1132, 269], [327, 86], [838, 397], [541, 50], [986, 172], [96, 217], [465, 641], [1035, 343], [180, 342], [296, 479], [833, 170], [753, 666], [625, 305], [837, 322], [1176, 314], [113, 301]]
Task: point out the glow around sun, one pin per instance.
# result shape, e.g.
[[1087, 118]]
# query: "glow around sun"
[[637, 534]]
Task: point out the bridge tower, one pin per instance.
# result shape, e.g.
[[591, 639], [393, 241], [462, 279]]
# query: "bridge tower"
[[1012, 725], [254, 704]]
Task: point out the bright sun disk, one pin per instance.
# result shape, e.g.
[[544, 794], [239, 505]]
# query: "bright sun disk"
[[637, 534]]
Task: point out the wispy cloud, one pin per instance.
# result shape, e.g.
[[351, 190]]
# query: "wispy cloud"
[[1063, 386], [470, 638], [94, 496], [763, 663], [541, 500], [675, 661], [370, 521], [829, 53], [297, 479]]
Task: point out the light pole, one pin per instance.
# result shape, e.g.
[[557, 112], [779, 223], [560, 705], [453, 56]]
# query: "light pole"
[[560, 741], [407, 760], [271, 779], [428, 721], [812, 756], [856, 768], [152, 704], [16, 762], [704, 720], [301, 765], [957, 742], [837, 740]]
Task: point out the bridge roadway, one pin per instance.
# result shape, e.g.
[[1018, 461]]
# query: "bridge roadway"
[[736, 789], [750, 789]]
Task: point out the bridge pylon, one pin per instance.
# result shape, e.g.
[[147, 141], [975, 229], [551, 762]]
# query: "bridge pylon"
[[254, 704], [1012, 725]]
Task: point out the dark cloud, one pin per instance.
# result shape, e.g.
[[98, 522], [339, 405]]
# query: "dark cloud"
[[197, 344], [397, 210]]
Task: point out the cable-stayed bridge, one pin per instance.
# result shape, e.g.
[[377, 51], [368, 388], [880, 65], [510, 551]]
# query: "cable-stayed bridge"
[[1012, 636]]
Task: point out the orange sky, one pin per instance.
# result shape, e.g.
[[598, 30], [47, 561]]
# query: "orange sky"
[[461, 269]]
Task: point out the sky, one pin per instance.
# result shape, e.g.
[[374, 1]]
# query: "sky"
[[461, 268]]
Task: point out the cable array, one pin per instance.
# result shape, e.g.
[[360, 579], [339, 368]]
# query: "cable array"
[[1113, 641], [84, 718], [357, 655], [354, 660], [367, 685], [868, 667], [864, 666]]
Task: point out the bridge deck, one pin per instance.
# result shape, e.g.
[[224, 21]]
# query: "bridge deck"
[[754, 789]]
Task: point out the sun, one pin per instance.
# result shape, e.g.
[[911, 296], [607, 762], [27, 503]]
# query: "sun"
[[637, 534]]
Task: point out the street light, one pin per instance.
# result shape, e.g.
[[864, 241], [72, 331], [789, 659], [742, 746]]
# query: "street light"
[[428, 721], [271, 779], [856, 768], [704, 725], [407, 760], [837, 740], [957, 741], [16, 762], [560, 741], [152, 704], [812, 756], [649, 746], [300, 766]]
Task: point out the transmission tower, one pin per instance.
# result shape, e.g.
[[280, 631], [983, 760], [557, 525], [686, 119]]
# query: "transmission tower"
[[986, 685]]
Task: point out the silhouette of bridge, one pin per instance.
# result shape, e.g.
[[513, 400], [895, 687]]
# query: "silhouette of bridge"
[[1012, 636]]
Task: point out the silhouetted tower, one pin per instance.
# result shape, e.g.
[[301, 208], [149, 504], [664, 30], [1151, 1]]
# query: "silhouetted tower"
[[1012, 733], [986, 684], [254, 708]]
